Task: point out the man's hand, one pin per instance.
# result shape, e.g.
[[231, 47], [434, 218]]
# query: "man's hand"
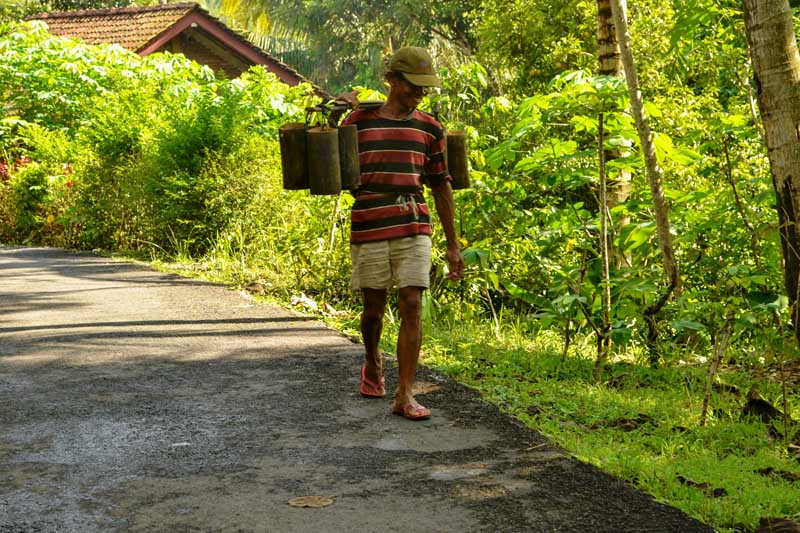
[[455, 262], [350, 99]]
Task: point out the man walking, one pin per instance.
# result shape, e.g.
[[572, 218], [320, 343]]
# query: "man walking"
[[400, 149]]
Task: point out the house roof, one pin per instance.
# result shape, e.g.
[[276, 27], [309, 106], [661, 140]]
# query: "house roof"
[[145, 30]]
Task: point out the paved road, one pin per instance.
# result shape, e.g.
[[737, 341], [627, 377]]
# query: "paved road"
[[132, 400]]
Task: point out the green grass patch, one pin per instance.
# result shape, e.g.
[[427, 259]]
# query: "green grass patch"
[[639, 424]]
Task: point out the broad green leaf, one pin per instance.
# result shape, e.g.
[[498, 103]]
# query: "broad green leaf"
[[617, 141], [474, 256], [569, 298], [584, 124], [663, 145], [499, 155], [768, 301], [621, 333], [494, 279], [665, 149], [653, 110], [519, 293], [685, 156], [681, 324], [633, 236]]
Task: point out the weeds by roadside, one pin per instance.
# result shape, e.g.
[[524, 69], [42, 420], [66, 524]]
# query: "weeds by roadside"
[[639, 424]]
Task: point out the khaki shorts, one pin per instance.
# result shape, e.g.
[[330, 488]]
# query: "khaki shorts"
[[403, 262]]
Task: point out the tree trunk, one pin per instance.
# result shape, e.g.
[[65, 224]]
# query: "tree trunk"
[[648, 148], [653, 176], [609, 63], [776, 68], [609, 57], [604, 339]]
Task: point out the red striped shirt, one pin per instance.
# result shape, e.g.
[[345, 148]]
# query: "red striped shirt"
[[397, 157]]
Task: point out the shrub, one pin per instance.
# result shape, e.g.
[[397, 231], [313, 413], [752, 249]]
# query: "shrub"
[[150, 144]]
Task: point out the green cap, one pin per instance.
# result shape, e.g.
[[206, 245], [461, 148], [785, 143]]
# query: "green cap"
[[416, 65]]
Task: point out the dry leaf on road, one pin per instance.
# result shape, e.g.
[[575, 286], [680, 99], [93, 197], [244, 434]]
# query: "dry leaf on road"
[[310, 501]]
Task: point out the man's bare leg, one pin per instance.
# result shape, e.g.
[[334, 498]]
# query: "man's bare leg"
[[371, 328], [409, 341]]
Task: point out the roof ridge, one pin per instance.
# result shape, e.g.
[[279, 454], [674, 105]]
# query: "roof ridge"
[[117, 10]]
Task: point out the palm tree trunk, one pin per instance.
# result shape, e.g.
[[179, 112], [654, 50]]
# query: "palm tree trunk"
[[609, 57], [776, 67], [609, 63]]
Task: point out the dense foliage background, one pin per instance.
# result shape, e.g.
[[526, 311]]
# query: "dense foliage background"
[[160, 158]]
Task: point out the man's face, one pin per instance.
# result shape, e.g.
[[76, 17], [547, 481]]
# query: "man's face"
[[408, 94]]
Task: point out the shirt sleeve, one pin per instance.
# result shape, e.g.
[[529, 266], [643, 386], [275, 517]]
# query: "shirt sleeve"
[[436, 164]]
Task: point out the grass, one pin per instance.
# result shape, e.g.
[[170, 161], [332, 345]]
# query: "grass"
[[639, 424]]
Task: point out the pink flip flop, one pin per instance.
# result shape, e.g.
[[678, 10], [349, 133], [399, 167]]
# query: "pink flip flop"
[[412, 411], [368, 388]]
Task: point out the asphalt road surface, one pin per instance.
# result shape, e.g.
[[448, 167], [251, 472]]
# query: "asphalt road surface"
[[131, 400]]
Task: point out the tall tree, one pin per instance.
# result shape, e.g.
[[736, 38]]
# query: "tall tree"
[[528, 42], [609, 60], [776, 68], [19, 9], [660, 208]]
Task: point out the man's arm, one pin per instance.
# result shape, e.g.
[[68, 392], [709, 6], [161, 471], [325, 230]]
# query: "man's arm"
[[443, 198]]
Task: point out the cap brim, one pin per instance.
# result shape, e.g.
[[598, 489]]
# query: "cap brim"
[[423, 80]]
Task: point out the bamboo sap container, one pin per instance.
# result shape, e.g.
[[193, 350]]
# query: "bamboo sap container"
[[348, 157], [292, 139], [322, 157], [457, 163]]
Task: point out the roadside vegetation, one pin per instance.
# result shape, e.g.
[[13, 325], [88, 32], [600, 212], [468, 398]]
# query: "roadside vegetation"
[[695, 401]]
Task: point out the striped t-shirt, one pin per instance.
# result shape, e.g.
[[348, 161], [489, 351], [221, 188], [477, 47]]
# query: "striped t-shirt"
[[397, 157]]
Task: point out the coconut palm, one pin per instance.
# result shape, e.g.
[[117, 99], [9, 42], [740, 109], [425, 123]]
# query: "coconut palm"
[[343, 42]]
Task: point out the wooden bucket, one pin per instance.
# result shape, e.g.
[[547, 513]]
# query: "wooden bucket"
[[457, 162], [322, 151], [292, 139], [348, 157]]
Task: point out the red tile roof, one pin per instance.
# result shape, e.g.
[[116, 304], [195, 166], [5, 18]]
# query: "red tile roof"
[[131, 27], [145, 29]]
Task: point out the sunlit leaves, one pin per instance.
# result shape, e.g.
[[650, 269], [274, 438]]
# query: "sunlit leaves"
[[665, 149], [632, 236], [550, 150], [527, 43]]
